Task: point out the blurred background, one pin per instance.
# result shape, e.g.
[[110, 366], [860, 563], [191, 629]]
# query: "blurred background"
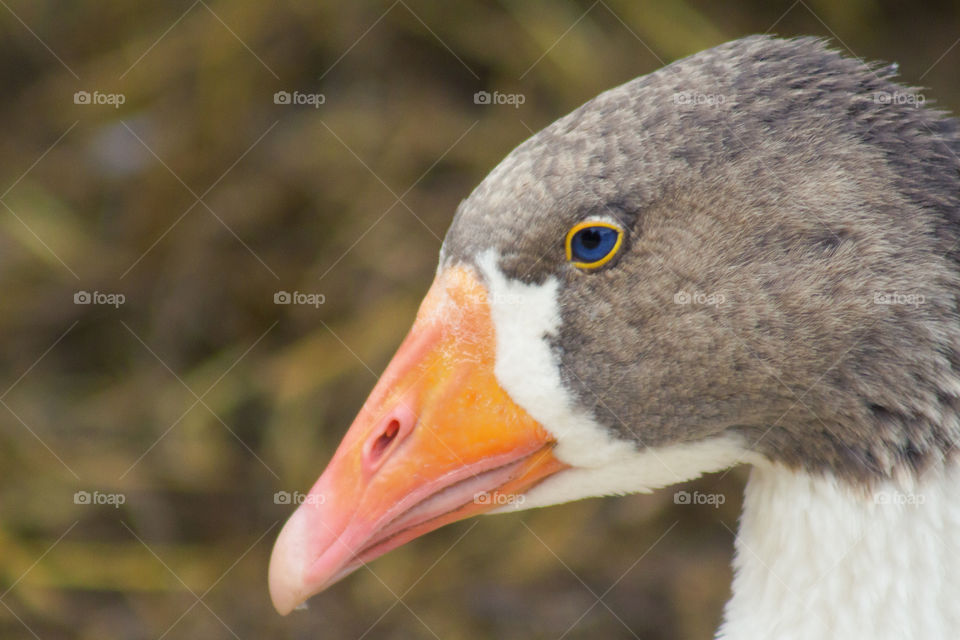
[[169, 168]]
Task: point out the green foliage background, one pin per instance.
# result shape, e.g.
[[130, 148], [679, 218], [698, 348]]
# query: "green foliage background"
[[199, 398]]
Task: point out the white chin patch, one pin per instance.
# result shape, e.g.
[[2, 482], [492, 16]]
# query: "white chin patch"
[[524, 317]]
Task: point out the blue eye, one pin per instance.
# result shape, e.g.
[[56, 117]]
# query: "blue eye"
[[592, 244]]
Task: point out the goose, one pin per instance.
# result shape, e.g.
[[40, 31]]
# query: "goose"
[[750, 256]]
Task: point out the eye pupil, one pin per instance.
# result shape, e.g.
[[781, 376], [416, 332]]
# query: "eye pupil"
[[591, 239], [592, 246]]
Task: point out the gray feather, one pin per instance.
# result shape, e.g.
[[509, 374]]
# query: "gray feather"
[[798, 185]]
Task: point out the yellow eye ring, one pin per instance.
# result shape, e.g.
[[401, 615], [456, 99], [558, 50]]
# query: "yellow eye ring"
[[593, 243]]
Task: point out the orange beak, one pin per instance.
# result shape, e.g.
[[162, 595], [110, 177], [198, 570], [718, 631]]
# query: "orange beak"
[[438, 440]]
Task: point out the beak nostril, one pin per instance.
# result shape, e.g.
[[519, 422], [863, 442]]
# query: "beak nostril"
[[384, 439]]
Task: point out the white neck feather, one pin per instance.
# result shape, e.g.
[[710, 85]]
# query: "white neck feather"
[[814, 558], [817, 559]]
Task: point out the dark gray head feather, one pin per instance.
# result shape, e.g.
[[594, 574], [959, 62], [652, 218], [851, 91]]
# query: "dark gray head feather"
[[798, 188]]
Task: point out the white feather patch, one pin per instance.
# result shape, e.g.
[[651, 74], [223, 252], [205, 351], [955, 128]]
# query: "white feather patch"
[[524, 317], [814, 558], [819, 559]]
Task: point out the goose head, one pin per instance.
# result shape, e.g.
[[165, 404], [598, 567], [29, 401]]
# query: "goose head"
[[748, 255]]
